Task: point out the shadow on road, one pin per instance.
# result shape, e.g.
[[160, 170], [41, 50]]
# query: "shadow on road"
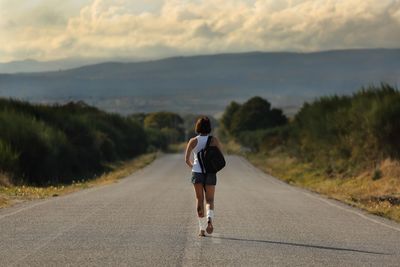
[[299, 245]]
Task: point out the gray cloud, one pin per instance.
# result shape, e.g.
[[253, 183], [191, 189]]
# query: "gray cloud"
[[205, 31], [118, 28]]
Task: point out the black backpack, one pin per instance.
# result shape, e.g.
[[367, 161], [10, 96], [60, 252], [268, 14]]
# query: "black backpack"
[[210, 158]]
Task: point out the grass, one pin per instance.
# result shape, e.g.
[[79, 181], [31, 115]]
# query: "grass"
[[232, 147], [10, 194], [177, 148], [3, 202], [379, 196]]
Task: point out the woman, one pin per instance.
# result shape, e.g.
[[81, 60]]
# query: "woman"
[[204, 184]]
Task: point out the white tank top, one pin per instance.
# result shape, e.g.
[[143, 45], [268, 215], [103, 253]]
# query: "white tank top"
[[201, 143]]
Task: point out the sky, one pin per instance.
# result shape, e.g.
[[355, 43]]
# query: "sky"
[[51, 29]]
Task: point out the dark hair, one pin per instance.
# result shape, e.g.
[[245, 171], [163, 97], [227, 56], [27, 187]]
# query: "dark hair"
[[203, 125]]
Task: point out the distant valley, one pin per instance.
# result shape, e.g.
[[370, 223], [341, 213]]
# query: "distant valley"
[[206, 84]]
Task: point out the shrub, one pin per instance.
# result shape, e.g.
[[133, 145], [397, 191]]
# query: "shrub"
[[8, 158], [353, 130], [249, 123], [256, 114], [171, 124], [335, 133], [377, 174], [156, 139], [42, 144], [38, 146]]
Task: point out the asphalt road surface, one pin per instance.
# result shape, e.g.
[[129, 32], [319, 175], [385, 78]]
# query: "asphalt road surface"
[[149, 219]]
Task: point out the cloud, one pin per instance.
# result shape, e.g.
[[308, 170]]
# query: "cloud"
[[155, 28]]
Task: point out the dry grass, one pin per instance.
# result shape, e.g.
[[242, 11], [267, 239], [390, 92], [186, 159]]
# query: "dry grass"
[[3, 202], [12, 194], [4, 180], [231, 147], [177, 148], [361, 191]]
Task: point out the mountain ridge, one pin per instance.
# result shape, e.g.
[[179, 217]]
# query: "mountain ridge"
[[209, 82], [99, 61]]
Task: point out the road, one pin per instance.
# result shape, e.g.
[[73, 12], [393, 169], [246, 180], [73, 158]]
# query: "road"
[[149, 219]]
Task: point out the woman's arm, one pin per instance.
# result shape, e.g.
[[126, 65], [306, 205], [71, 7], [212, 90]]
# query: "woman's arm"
[[191, 144]]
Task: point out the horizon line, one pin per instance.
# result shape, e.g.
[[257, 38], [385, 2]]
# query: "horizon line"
[[149, 59]]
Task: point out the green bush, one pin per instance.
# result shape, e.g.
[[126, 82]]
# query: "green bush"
[[42, 144], [377, 174], [256, 114], [251, 123], [38, 146], [227, 117], [349, 130], [164, 128], [156, 139], [8, 158], [337, 133]]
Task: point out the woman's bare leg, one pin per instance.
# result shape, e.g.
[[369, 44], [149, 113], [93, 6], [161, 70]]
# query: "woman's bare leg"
[[199, 190], [210, 191]]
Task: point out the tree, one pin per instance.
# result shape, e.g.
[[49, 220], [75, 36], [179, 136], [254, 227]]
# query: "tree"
[[228, 115], [163, 119], [170, 124], [256, 114]]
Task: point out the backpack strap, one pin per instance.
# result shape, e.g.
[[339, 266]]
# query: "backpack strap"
[[200, 159], [200, 155], [208, 142]]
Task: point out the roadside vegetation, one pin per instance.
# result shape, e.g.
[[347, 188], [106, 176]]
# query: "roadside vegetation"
[[47, 149], [57, 144], [346, 147]]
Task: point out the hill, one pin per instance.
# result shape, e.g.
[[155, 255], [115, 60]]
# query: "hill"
[[208, 83]]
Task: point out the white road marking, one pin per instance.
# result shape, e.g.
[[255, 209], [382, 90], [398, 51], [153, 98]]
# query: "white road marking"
[[25, 208], [320, 198], [330, 203], [58, 234], [48, 200]]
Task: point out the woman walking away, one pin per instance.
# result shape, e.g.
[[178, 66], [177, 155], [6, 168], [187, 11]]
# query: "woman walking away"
[[204, 183]]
